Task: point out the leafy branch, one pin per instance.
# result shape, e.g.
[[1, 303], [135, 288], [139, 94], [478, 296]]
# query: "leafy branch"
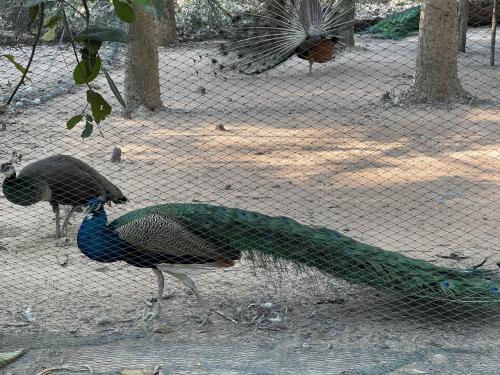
[[85, 45], [24, 70]]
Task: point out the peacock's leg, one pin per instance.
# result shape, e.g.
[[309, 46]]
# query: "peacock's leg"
[[64, 229], [161, 284], [187, 281], [310, 66], [55, 209]]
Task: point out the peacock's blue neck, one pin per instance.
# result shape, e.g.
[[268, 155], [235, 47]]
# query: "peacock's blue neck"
[[97, 241]]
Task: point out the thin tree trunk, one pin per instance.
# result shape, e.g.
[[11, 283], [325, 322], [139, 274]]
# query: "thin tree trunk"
[[493, 33], [463, 15], [436, 74], [142, 81], [167, 27], [347, 9]]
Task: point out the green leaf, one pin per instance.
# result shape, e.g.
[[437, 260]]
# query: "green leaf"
[[124, 11], [9, 357], [52, 21], [98, 105], [73, 121], [18, 66], [89, 127], [92, 47], [50, 35], [102, 33], [86, 71], [33, 14], [115, 90]]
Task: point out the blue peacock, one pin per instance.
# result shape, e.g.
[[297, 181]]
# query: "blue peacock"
[[178, 239]]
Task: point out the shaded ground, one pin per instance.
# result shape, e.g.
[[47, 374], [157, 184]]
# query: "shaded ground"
[[323, 148]]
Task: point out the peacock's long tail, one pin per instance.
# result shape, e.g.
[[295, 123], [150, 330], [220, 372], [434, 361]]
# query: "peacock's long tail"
[[397, 26], [231, 231]]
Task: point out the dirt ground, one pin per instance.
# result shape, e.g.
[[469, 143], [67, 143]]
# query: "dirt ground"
[[323, 148]]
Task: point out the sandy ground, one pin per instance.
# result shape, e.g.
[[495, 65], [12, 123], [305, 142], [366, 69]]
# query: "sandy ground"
[[322, 148]]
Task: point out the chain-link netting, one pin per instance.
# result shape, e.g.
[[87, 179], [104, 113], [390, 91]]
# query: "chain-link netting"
[[296, 200]]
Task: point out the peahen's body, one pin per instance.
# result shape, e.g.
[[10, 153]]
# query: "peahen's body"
[[59, 180], [305, 28], [174, 237]]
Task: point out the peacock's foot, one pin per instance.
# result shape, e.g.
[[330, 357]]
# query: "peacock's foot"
[[155, 314]]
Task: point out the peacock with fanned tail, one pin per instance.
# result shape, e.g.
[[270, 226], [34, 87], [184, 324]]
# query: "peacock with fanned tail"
[[308, 29], [179, 238]]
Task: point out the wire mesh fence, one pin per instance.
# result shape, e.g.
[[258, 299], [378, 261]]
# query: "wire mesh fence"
[[328, 224]]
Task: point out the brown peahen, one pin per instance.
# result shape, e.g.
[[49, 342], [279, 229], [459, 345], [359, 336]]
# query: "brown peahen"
[[59, 180], [181, 238], [308, 29]]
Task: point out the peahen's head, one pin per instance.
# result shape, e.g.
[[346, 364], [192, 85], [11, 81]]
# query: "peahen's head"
[[94, 206], [7, 169]]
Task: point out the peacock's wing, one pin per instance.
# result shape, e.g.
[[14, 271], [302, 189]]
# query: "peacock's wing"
[[217, 231], [158, 234]]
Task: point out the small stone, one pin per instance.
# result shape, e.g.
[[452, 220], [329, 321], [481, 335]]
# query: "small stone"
[[116, 155], [440, 359], [27, 314], [220, 127], [227, 187], [37, 101], [162, 328], [201, 90], [103, 321]]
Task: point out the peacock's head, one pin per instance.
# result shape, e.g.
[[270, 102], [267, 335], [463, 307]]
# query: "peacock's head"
[[93, 206]]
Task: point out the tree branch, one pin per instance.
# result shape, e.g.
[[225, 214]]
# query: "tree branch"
[[87, 13], [72, 41], [37, 37]]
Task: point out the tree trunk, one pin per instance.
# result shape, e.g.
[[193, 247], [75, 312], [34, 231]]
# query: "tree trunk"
[[347, 10], [436, 74], [167, 28], [463, 15], [142, 81]]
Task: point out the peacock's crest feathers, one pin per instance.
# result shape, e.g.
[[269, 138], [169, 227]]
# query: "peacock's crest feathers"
[[226, 233]]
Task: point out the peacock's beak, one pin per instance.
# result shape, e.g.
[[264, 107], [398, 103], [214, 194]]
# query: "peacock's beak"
[[87, 211]]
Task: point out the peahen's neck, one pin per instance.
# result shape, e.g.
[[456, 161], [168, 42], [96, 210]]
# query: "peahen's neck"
[[97, 241]]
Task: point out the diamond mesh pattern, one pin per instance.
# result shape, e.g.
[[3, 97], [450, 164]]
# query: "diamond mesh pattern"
[[331, 149]]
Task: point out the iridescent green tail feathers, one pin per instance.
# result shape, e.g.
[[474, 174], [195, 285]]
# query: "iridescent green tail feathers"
[[226, 233]]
